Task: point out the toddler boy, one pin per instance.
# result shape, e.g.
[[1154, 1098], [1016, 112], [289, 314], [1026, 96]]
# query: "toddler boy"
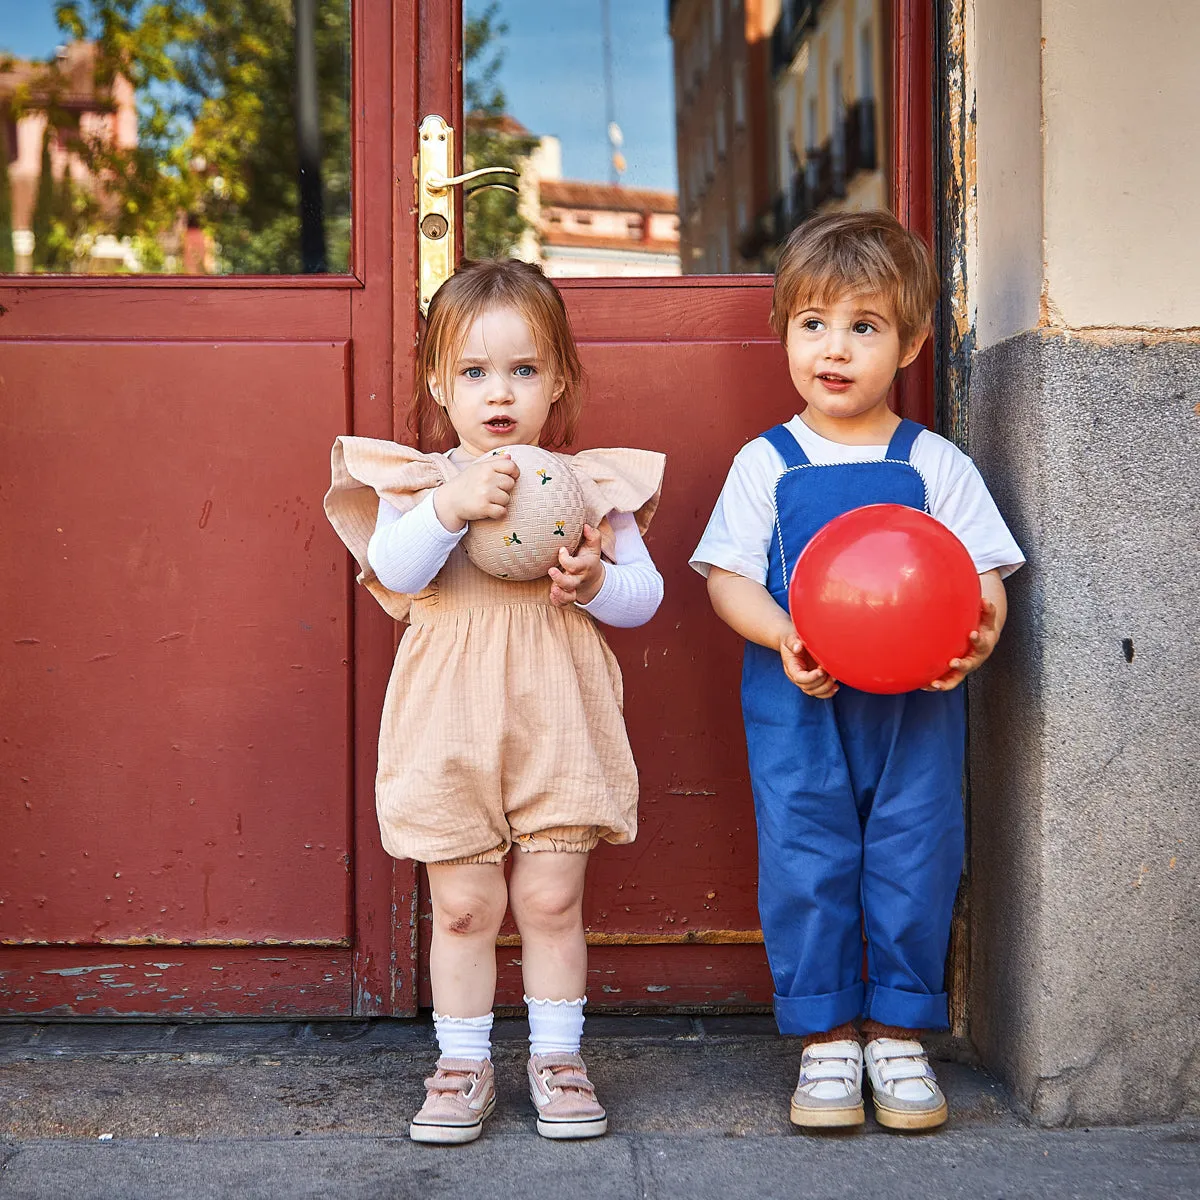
[[857, 796]]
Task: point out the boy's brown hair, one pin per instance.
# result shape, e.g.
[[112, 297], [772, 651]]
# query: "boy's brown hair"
[[856, 253], [478, 287]]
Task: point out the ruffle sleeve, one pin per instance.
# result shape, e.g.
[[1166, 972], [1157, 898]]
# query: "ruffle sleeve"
[[619, 480], [365, 470]]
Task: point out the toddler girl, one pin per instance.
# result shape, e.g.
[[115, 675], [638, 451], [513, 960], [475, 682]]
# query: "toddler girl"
[[502, 723]]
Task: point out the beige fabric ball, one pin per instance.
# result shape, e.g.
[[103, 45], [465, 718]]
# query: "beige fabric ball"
[[546, 512]]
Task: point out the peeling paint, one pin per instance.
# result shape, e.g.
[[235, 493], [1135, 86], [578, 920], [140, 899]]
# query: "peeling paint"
[[84, 970], [687, 937], [958, 187]]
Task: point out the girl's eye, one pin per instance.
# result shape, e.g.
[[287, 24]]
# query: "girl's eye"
[[474, 372], [863, 327], [526, 371]]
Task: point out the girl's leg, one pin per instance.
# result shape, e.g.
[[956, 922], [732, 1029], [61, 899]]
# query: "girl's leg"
[[546, 896], [468, 905]]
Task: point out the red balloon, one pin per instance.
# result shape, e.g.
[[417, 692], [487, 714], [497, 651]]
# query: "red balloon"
[[883, 597]]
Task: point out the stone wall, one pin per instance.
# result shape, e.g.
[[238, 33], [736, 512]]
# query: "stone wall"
[[1085, 730]]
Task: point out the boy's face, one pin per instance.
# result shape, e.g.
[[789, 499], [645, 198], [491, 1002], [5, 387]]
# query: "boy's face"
[[843, 357]]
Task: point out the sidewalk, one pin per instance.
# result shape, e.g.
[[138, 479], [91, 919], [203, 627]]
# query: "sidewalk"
[[698, 1110]]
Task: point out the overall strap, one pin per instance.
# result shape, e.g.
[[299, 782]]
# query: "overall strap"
[[901, 444], [789, 449]]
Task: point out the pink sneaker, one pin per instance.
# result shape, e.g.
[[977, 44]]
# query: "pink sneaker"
[[564, 1097], [459, 1097]]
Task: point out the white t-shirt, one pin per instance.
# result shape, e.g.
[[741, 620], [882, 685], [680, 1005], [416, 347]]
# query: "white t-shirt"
[[739, 532]]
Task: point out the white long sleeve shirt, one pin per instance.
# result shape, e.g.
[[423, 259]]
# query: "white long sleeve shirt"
[[408, 549]]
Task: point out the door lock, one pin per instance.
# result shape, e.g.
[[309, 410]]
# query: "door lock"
[[437, 231]]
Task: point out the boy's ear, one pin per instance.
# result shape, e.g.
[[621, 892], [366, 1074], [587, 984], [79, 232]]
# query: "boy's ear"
[[913, 348]]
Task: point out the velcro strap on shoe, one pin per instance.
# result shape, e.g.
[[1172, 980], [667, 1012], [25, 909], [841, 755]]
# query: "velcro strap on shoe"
[[882, 1048], [452, 1075], [569, 1079], [892, 1072], [448, 1084], [814, 1072]]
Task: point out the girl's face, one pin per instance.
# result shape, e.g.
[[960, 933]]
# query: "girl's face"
[[500, 395]]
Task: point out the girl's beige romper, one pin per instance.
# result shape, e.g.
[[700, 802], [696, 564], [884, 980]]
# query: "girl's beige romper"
[[502, 721]]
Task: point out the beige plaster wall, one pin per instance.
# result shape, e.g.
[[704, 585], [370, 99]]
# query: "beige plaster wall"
[[1006, 74], [1120, 94]]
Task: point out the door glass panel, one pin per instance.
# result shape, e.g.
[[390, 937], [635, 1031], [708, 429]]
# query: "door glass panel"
[[671, 137], [199, 137]]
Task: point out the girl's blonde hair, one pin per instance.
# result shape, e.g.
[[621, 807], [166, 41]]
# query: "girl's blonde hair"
[[479, 287], [854, 253]]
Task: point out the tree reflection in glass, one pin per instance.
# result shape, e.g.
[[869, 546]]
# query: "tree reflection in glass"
[[165, 136]]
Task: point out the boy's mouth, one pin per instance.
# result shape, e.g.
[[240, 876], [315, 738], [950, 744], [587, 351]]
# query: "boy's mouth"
[[834, 381]]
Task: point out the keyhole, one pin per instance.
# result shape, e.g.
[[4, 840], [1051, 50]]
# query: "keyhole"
[[434, 226]]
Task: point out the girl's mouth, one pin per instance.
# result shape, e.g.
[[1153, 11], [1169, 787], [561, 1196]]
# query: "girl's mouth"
[[500, 424]]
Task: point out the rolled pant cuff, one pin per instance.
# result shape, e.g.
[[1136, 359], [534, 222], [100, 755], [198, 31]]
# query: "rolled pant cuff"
[[908, 1010], [802, 1015]]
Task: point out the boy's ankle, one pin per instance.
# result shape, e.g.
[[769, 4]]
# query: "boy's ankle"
[[847, 1032], [875, 1029]]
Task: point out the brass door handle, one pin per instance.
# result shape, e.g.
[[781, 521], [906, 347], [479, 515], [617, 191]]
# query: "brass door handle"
[[437, 232], [435, 183]]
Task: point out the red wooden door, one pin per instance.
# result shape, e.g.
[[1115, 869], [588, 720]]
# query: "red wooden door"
[[687, 366], [187, 675], [193, 682]]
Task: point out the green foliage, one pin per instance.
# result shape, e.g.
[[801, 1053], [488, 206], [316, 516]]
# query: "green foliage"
[[43, 206], [7, 257], [494, 224], [214, 81]]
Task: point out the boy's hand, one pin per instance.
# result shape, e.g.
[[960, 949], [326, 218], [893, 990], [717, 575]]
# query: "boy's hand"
[[478, 492], [578, 576], [802, 669], [983, 642]]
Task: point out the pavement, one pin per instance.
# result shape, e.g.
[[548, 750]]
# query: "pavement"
[[698, 1110]]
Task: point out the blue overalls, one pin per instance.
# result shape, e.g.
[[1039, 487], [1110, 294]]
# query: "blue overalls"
[[858, 798]]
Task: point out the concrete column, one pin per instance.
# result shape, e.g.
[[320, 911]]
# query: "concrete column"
[[1083, 412]]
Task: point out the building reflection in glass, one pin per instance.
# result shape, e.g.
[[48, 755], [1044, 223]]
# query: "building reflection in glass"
[[778, 117]]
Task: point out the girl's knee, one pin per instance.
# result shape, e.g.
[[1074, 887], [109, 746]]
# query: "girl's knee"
[[467, 917], [466, 902], [546, 904]]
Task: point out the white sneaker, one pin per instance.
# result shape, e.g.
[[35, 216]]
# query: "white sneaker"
[[829, 1091], [903, 1085]]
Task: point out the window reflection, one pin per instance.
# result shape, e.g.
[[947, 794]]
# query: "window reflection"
[[689, 136], [803, 133], [189, 137]]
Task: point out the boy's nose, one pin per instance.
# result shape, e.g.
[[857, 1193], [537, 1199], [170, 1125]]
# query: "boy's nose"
[[837, 344]]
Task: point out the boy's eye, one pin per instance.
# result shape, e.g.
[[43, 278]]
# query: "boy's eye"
[[812, 324], [863, 327]]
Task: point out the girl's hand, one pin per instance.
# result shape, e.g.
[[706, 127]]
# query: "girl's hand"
[[578, 577], [478, 492], [803, 670], [983, 642]]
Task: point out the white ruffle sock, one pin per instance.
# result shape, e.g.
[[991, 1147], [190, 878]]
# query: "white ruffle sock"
[[464, 1037], [555, 1026]]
